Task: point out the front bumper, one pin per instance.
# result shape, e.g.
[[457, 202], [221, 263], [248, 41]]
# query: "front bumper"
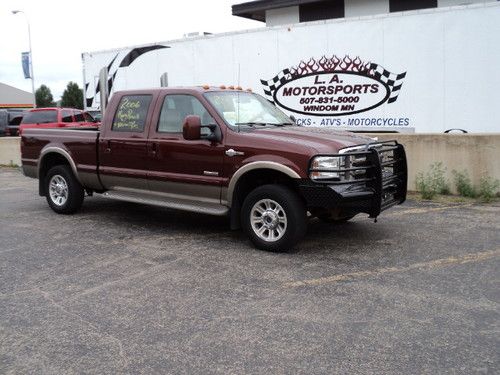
[[381, 184]]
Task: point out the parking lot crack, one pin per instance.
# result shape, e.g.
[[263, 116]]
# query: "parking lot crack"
[[452, 260], [121, 352]]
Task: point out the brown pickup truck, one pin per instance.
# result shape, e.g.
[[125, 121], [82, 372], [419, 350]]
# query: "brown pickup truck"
[[222, 152]]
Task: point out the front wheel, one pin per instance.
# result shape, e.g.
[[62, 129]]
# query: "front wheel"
[[274, 218], [63, 191]]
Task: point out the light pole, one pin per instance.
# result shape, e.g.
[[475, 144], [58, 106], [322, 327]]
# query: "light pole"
[[31, 55]]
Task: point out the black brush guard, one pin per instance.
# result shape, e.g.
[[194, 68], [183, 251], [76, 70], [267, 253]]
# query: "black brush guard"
[[383, 181]]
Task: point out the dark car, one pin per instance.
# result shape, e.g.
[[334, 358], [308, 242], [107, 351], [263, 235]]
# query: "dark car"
[[13, 127], [9, 121], [4, 122]]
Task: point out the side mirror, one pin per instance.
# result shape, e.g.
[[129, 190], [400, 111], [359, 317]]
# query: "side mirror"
[[191, 129]]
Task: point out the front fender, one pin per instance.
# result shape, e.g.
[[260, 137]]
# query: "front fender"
[[273, 165]]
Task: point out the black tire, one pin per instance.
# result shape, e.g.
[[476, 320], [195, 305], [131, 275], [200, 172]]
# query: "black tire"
[[289, 204], [74, 191]]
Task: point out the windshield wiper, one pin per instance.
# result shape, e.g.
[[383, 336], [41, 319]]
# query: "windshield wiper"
[[252, 123], [264, 123]]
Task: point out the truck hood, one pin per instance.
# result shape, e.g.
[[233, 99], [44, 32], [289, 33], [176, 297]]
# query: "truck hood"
[[323, 140]]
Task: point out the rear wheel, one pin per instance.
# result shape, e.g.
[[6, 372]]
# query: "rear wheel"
[[63, 191], [274, 218]]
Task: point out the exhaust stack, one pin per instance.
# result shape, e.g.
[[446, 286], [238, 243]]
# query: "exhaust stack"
[[104, 89], [164, 80]]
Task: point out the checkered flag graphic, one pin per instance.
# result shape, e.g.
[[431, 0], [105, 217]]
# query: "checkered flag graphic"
[[394, 81], [271, 85]]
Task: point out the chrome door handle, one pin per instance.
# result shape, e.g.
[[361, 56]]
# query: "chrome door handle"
[[210, 173], [232, 152]]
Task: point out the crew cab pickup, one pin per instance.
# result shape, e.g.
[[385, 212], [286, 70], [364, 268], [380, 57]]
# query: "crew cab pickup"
[[222, 152]]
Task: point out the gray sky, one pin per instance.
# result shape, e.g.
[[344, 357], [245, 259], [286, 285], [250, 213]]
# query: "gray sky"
[[62, 30]]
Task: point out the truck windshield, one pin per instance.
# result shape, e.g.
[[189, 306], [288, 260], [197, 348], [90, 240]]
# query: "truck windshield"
[[245, 108]]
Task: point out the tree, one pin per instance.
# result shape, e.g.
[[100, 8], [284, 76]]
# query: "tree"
[[44, 97], [72, 97]]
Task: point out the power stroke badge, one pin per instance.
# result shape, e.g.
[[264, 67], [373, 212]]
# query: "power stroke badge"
[[333, 87]]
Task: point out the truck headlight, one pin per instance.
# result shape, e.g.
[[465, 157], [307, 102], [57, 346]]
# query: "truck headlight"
[[326, 167]]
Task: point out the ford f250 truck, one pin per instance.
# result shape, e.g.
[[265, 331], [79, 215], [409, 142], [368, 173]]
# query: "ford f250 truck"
[[219, 151]]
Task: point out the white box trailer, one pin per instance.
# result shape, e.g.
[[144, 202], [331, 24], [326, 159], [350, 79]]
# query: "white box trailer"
[[419, 71]]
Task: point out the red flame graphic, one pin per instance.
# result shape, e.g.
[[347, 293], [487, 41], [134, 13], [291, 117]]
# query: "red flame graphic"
[[325, 64]]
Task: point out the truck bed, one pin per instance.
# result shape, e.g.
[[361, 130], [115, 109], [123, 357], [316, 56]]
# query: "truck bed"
[[80, 144]]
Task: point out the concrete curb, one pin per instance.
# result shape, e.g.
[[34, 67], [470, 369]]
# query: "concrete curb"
[[476, 153], [10, 151]]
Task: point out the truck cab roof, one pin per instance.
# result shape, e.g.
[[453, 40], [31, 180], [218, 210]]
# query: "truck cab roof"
[[185, 89]]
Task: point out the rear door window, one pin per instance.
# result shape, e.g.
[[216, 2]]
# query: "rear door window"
[[67, 115], [131, 113], [16, 120], [40, 117]]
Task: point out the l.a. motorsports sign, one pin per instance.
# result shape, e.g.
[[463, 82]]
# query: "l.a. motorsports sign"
[[333, 87]]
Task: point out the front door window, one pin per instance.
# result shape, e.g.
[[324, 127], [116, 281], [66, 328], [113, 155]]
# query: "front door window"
[[175, 109]]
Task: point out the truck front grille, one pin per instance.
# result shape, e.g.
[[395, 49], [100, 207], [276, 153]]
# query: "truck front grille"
[[379, 167]]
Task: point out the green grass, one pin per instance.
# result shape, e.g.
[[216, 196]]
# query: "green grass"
[[449, 198], [10, 165], [463, 184], [432, 182]]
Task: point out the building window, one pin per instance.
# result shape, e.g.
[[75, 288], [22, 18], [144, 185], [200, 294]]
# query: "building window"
[[402, 5], [321, 10]]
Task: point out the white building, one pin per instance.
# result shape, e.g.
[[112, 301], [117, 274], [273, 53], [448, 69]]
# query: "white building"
[[379, 65], [12, 97], [284, 12]]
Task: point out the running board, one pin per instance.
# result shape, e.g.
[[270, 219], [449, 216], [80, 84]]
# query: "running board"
[[177, 204]]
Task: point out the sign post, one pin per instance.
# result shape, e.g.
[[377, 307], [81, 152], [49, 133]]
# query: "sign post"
[[27, 59]]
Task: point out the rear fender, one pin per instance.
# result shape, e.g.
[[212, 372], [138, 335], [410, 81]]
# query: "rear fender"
[[43, 168]]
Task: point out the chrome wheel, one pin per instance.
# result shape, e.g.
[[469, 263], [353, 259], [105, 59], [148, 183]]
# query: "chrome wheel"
[[268, 220], [58, 190]]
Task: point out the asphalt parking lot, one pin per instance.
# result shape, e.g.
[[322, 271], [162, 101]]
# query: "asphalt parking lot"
[[124, 288]]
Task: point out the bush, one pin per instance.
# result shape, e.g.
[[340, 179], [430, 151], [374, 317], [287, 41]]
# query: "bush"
[[488, 188], [463, 184], [432, 182]]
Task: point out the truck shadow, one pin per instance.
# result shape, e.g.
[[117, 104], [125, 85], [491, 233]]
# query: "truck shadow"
[[154, 218], [320, 238]]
